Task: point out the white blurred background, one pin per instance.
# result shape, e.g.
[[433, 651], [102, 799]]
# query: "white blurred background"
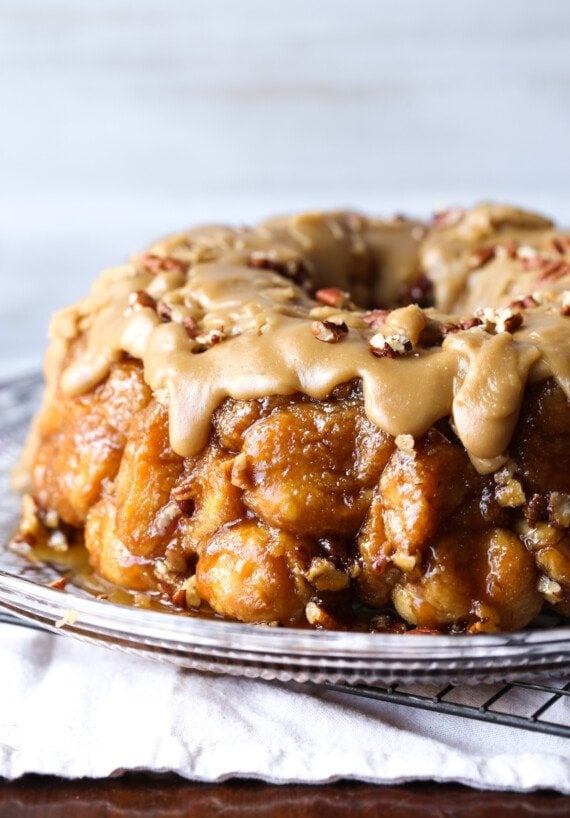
[[124, 120]]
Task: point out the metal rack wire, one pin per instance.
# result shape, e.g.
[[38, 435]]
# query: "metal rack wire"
[[544, 709]]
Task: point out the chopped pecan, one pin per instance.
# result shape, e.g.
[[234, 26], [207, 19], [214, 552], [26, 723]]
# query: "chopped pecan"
[[419, 292], [509, 492], [182, 494], [375, 318], [389, 346], [140, 299], [550, 589], [558, 245], [330, 332], [523, 302], [168, 313], [509, 321], [565, 307], [501, 320], [554, 270], [559, 509], [318, 617], [209, 338], [469, 323], [333, 297], [293, 268], [164, 311], [155, 264], [326, 576], [193, 599], [449, 328], [535, 509]]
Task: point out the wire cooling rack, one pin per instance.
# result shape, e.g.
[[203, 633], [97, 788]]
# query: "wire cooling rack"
[[543, 708]]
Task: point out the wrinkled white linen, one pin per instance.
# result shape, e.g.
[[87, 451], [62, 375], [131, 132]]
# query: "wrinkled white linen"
[[76, 710]]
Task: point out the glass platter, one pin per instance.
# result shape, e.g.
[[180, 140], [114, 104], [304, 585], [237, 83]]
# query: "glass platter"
[[248, 650]]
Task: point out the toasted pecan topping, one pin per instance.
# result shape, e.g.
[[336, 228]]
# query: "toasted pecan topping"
[[501, 320], [140, 300], [419, 292], [333, 297], [469, 323], [293, 268], [559, 244], [389, 346], [155, 264], [329, 331], [554, 270], [559, 509], [209, 338], [535, 509], [375, 318], [523, 302]]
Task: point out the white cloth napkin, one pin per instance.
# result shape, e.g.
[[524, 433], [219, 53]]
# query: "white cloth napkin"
[[75, 710]]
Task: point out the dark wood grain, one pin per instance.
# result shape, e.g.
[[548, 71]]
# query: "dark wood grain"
[[139, 796]]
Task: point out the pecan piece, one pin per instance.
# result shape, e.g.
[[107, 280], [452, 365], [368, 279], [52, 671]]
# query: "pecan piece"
[[554, 270], [329, 331], [523, 302], [375, 318], [535, 509], [389, 346], [164, 311], [559, 509], [210, 338], [419, 292], [501, 320], [162, 264], [319, 618], [293, 268], [557, 245], [140, 299], [333, 297]]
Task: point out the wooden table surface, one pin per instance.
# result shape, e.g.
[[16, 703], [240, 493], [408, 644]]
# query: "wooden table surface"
[[161, 796]]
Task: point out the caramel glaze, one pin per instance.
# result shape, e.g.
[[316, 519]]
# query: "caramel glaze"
[[217, 313]]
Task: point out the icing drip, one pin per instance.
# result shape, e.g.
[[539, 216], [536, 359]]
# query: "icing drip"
[[219, 313]]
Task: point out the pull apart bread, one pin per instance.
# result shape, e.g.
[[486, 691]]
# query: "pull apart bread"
[[327, 420]]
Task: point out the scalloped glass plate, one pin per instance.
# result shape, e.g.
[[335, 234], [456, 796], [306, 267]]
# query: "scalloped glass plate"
[[249, 650]]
